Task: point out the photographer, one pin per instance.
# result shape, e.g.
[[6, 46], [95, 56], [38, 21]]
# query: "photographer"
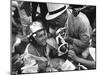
[[79, 29]]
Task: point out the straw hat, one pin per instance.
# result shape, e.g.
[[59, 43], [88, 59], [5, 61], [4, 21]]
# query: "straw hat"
[[55, 10], [36, 26]]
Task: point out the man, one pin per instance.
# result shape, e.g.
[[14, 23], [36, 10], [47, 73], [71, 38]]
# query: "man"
[[79, 30], [89, 57], [36, 49]]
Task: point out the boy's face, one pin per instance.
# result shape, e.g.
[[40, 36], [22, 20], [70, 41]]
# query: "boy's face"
[[41, 37]]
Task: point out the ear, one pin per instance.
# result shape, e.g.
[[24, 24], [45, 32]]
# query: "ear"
[[52, 31]]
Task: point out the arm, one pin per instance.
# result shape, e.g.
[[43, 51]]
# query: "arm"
[[39, 58], [83, 36], [32, 52], [81, 44], [85, 62], [88, 63], [78, 45]]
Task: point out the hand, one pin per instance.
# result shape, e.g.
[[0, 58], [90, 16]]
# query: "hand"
[[72, 55], [68, 39]]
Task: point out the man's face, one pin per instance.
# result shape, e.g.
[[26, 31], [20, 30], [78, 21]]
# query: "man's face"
[[41, 37], [58, 22]]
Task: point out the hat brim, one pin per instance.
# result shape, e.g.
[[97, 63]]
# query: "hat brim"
[[49, 17]]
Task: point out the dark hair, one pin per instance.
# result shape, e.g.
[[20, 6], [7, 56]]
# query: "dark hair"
[[32, 40]]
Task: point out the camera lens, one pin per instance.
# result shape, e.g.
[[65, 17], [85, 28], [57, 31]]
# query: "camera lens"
[[63, 48]]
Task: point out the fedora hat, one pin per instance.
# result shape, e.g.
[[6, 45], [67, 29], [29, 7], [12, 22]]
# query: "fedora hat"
[[54, 10]]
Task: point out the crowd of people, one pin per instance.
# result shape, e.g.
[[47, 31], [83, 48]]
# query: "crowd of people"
[[52, 37]]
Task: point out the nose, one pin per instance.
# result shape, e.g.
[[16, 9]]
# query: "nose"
[[43, 38]]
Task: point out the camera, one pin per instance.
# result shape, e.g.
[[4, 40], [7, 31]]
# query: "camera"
[[62, 45]]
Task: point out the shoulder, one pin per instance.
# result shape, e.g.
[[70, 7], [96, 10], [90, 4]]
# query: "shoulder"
[[84, 19], [31, 49], [82, 23], [80, 19]]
